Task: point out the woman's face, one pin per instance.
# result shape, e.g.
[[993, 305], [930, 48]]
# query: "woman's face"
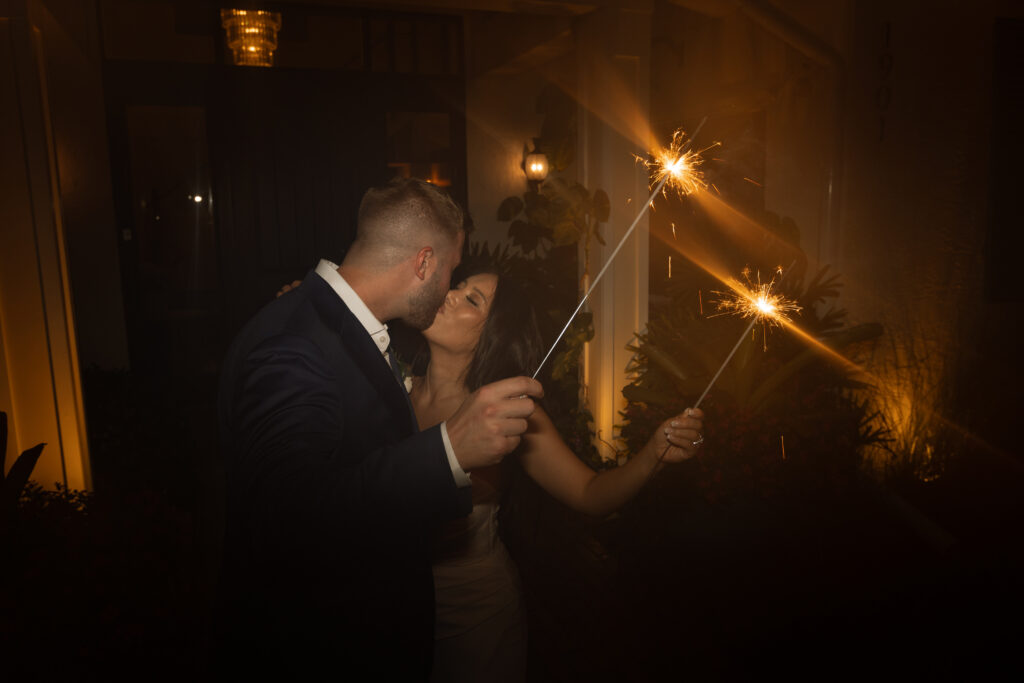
[[462, 316]]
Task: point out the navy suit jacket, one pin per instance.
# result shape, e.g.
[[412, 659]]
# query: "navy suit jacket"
[[333, 496]]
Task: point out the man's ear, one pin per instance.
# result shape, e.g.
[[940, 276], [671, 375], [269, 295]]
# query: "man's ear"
[[424, 259]]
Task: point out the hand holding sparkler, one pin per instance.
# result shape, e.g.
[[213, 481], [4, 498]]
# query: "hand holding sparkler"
[[678, 438], [757, 302]]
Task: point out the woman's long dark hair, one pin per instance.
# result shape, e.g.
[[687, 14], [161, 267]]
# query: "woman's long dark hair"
[[510, 342]]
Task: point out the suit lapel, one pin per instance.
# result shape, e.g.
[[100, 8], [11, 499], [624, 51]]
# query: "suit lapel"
[[362, 350]]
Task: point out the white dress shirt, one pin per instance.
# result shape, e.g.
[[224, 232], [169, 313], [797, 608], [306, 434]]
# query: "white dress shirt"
[[378, 332]]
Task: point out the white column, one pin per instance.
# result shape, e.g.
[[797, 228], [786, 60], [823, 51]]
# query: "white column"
[[614, 95], [40, 386]]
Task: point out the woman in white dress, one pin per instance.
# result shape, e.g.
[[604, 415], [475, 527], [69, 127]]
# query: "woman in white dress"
[[486, 330]]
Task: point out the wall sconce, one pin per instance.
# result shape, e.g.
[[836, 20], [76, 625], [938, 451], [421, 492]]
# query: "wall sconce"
[[251, 35], [536, 166]]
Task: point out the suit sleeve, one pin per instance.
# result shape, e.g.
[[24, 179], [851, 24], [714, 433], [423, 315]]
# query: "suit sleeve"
[[314, 455]]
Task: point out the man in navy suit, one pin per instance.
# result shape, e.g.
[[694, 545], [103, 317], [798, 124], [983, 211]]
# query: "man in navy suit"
[[333, 492]]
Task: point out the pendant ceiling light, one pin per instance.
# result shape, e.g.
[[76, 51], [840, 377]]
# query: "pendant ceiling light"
[[251, 35]]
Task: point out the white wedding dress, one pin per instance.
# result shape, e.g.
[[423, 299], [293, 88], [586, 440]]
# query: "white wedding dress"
[[480, 633]]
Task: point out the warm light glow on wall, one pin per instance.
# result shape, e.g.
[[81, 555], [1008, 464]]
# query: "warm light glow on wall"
[[433, 173], [910, 378], [438, 176], [40, 383], [251, 35]]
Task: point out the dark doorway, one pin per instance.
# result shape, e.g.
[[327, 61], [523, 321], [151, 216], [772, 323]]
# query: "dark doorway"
[[232, 181]]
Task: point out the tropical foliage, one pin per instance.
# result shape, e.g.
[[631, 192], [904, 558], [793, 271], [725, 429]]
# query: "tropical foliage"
[[784, 403], [13, 483]]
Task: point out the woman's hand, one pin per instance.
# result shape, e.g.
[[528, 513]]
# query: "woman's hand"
[[288, 288], [549, 462], [680, 437]]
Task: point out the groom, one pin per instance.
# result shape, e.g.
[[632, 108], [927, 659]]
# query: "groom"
[[333, 492]]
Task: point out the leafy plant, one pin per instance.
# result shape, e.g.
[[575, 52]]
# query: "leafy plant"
[[107, 579], [786, 403], [13, 483], [558, 213]]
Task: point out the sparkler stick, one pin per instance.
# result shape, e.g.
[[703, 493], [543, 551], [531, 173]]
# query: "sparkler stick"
[[669, 171], [758, 303], [727, 359]]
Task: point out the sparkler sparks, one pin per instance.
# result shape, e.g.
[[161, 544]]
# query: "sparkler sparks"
[[757, 301], [677, 167]]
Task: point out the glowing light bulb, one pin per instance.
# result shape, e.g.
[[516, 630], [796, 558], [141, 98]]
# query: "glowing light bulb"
[[536, 166]]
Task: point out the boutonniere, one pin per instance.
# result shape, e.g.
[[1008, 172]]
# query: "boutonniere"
[[404, 371]]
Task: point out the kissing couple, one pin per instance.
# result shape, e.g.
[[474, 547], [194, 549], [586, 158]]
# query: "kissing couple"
[[361, 535]]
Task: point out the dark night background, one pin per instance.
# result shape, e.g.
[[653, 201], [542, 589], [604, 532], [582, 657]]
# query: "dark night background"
[[155, 196]]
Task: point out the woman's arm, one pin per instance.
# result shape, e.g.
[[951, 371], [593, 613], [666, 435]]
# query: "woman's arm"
[[550, 462]]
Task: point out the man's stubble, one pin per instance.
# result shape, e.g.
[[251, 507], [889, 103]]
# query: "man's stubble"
[[423, 304]]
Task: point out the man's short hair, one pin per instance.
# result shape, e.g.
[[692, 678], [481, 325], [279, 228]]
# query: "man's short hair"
[[402, 214]]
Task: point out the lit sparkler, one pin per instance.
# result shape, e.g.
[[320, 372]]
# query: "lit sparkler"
[[757, 302], [678, 168]]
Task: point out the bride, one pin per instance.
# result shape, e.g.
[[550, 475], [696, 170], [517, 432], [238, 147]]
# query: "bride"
[[486, 330]]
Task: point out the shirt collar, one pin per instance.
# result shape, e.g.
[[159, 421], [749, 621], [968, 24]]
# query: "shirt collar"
[[377, 330]]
